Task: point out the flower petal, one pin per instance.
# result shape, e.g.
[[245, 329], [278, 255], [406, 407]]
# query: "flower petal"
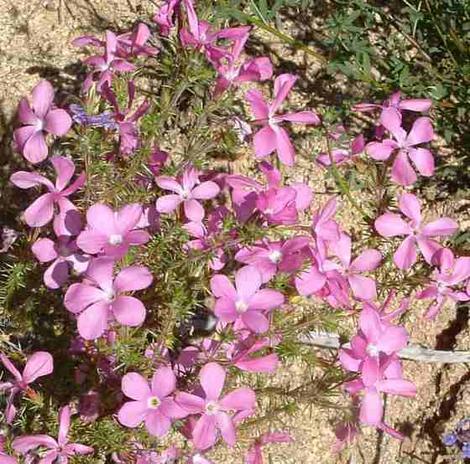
[[133, 278], [135, 386], [132, 413], [128, 311], [212, 378]]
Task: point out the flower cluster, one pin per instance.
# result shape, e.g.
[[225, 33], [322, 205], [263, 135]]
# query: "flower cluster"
[[100, 254]]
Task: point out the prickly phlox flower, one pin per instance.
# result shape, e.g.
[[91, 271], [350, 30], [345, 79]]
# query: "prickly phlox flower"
[[100, 298], [201, 36], [152, 404], [396, 101], [188, 192], [134, 43], [37, 365], [325, 229], [215, 412], [273, 257], [233, 71], [106, 65], [164, 17], [255, 456], [245, 303], [59, 450], [404, 146], [41, 211], [112, 232], [341, 155], [345, 433], [64, 254], [417, 234], [39, 117], [362, 287], [273, 137], [449, 274], [125, 120]]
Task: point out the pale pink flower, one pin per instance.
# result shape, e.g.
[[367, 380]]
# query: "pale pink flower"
[[341, 155], [37, 365], [110, 232], [396, 101], [406, 145], [41, 211], [417, 234], [362, 287], [246, 354], [273, 257], [100, 298], [152, 404], [255, 456], [188, 192], [233, 71], [245, 302], [215, 412], [325, 229], [273, 137], [39, 118], [450, 273], [59, 450]]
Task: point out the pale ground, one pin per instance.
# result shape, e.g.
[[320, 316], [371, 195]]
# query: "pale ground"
[[35, 42]]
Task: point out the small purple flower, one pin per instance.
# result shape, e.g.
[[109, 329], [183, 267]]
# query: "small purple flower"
[[105, 119]]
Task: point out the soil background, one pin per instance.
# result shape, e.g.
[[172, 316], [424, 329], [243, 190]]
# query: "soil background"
[[35, 42]]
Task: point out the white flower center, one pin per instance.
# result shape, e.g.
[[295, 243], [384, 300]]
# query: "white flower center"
[[372, 350], [110, 295], [153, 402], [275, 256], [212, 408], [241, 306], [39, 125], [115, 239]]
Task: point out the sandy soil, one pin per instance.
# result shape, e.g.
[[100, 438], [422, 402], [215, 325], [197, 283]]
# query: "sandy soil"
[[35, 43]]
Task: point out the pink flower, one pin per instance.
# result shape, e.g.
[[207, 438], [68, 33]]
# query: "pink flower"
[[345, 433], [104, 65], [255, 456], [375, 339], [362, 287], [126, 121], [245, 354], [151, 404], [245, 302], [64, 255], [340, 155], [112, 233], [324, 228], [395, 101], [59, 450], [215, 411], [39, 118], [41, 211], [38, 364], [100, 297], [272, 257], [450, 274], [134, 43], [272, 136], [164, 17], [392, 225], [188, 192], [233, 72], [406, 144]]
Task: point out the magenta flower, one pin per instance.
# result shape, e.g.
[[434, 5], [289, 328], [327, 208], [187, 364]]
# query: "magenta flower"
[[100, 297], [272, 257], [233, 71], [406, 144], [38, 364], [396, 101], [245, 302], [41, 211], [324, 228], [164, 17], [59, 450], [255, 456], [152, 404], [64, 255], [273, 137], [39, 118], [341, 155], [392, 225], [375, 338], [134, 43], [112, 233], [362, 287], [125, 120], [215, 411], [188, 192], [245, 354], [104, 65], [450, 274]]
